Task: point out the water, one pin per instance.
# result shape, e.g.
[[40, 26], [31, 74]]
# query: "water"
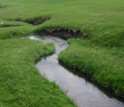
[[84, 93]]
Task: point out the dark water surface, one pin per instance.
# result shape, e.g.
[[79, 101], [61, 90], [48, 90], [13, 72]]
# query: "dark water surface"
[[84, 93]]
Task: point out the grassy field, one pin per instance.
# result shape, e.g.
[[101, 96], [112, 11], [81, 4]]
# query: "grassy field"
[[104, 65], [102, 56], [21, 85], [103, 20]]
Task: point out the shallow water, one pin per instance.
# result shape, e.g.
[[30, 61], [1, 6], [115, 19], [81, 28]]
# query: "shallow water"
[[84, 93]]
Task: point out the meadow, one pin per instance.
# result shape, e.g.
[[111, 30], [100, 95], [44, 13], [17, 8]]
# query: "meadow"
[[21, 85], [100, 54]]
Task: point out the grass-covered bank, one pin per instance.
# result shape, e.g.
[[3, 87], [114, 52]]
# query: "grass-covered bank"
[[21, 85], [101, 20], [104, 65]]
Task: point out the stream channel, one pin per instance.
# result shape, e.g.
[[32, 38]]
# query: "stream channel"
[[84, 93]]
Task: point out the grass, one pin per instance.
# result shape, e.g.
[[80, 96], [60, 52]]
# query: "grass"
[[104, 65], [21, 85], [103, 20], [102, 57]]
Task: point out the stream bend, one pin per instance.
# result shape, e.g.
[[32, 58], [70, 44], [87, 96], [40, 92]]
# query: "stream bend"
[[84, 93]]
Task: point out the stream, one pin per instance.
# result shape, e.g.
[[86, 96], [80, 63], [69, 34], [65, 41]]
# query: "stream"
[[83, 92]]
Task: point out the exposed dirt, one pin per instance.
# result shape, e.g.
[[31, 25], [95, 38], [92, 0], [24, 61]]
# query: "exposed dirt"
[[34, 21], [64, 33]]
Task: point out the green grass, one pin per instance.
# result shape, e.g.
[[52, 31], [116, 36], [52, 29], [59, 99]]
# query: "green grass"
[[102, 57], [103, 20], [104, 65], [21, 85]]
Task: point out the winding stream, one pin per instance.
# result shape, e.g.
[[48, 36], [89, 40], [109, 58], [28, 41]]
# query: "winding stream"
[[84, 93]]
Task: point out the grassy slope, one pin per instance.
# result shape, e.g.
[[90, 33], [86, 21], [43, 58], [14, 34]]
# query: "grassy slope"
[[20, 82], [103, 20], [102, 64]]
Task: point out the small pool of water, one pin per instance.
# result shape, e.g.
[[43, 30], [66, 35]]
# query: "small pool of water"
[[84, 93]]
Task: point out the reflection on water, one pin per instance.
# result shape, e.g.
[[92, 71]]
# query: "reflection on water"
[[84, 93]]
